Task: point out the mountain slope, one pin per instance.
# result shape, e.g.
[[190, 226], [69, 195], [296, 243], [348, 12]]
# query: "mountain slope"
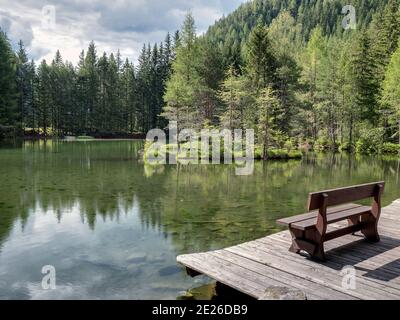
[[231, 32]]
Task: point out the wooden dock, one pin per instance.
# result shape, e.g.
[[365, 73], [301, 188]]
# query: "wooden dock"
[[257, 266]]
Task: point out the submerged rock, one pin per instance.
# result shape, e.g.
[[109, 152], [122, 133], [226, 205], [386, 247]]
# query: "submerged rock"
[[283, 293], [137, 258], [170, 270], [134, 271], [185, 295], [204, 292]]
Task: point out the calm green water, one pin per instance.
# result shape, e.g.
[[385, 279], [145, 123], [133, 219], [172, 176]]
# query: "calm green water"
[[113, 227]]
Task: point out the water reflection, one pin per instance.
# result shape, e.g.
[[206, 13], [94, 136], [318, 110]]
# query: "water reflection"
[[112, 226]]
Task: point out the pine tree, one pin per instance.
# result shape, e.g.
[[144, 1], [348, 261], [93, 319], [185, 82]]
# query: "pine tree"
[[391, 88], [211, 73], [8, 91], [365, 84], [284, 33], [268, 105], [233, 95], [81, 88], [113, 123], [177, 42], [391, 26], [58, 94], [129, 104], [385, 32], [92, 89], [103, 114], [168, 53], [23, 84], [181, 87], [31, 111], [261, 60], [329, 94], [44, 98], [143, 84], [313, 57], [69, 111], [345, 80]]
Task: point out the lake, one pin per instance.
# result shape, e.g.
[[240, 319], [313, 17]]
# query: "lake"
[[112, 226]]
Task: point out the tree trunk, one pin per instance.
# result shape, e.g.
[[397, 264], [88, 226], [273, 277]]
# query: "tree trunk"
[[266, 140], [265, 149], [315, 129], [351, 133], [399, 130]]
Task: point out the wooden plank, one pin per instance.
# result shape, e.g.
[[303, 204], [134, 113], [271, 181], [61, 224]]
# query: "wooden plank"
[[317, 272], [358, 245], [343, 195], [243, 270], [338, 262], [342, 232], [276, 240], [222, 274], [355, 258], [250, 251], [393, 214], [253, 266], [333, 217], [312, 290], [313, 214]]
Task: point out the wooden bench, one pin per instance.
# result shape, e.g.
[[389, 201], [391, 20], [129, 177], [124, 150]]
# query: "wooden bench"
[[310, 230]]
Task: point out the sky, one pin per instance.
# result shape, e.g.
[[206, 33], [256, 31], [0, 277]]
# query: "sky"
[[69, 25]]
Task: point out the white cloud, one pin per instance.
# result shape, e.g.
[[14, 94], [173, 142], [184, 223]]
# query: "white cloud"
[[16, 28], [113, 25]]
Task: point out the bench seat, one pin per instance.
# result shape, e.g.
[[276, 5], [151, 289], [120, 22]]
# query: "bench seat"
[[287, 222], [332, 217]]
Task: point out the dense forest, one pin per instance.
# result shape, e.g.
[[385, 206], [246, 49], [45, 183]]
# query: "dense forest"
[[102, 96], [287, 69]]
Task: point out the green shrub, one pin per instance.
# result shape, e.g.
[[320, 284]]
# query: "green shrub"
[[291, 144], [278, 154], [321, 144], [390, 148], [258, 153], [295, 154], [346, 146], [370, 141], [324, 144]]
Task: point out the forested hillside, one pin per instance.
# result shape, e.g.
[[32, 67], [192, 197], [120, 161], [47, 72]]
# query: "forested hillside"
[[232, 32], [287, 69], [301, 79]]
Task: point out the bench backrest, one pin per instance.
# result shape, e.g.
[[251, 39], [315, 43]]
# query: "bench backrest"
[[345, 195]]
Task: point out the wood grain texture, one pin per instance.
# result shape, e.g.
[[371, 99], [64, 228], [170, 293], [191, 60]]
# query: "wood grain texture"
[[343, 195]]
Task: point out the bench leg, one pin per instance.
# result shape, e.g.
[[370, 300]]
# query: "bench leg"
[[371, 228], [296, 234], [304, 241], [353, 222], [294, 247], [319, 253]]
